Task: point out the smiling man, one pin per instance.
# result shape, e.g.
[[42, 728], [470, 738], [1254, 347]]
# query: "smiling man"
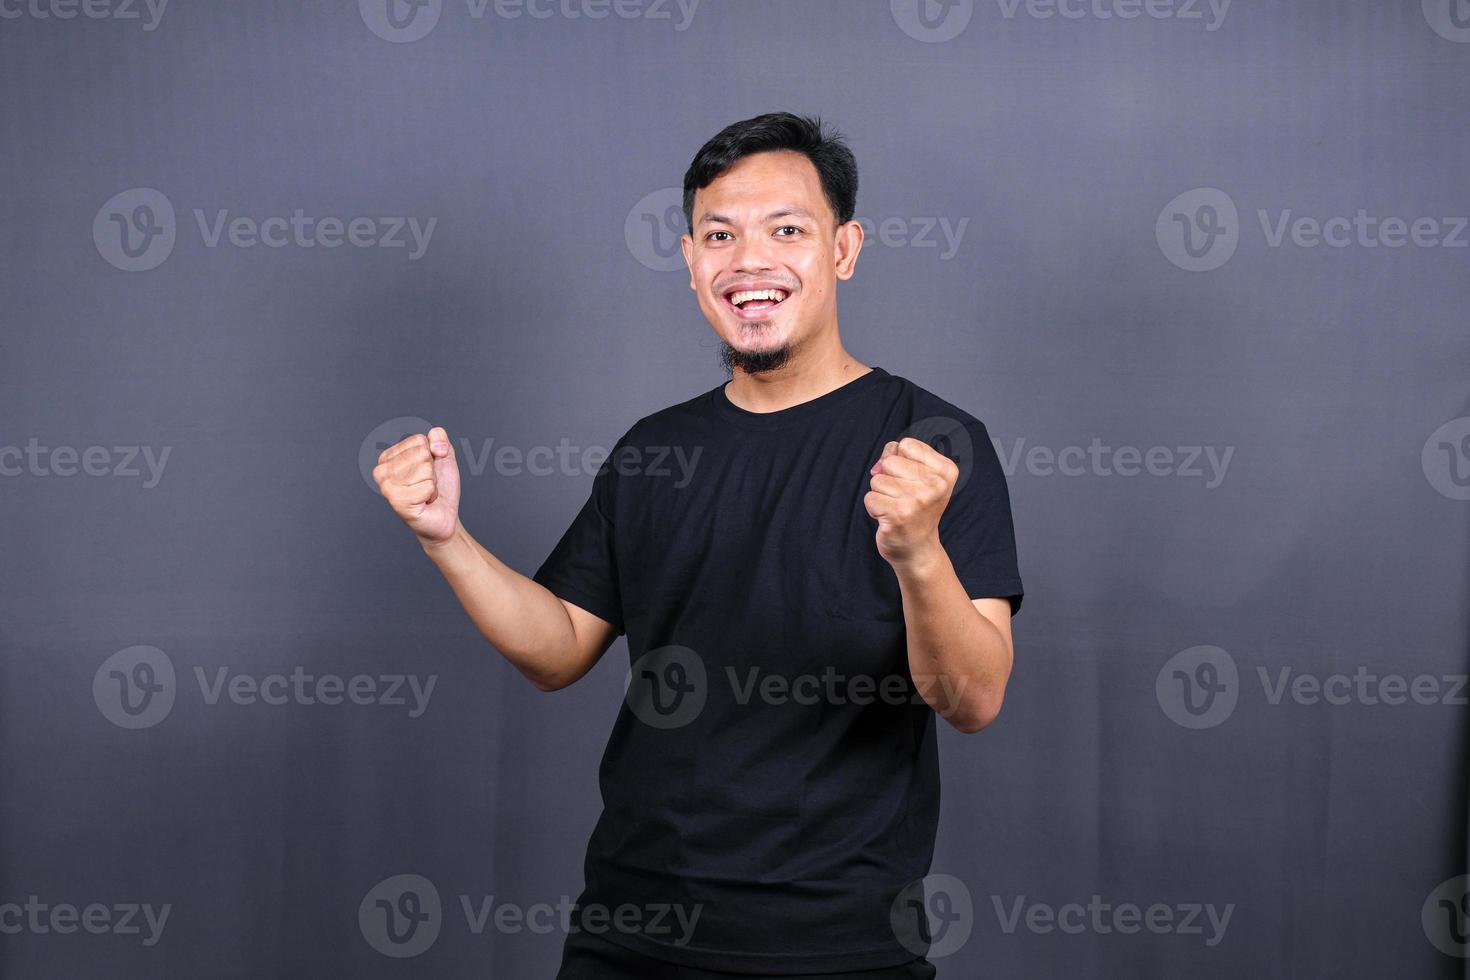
[[835, 572]]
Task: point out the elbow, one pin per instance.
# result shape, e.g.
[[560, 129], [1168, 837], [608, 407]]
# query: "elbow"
[[980, 710], [979, 716], [547, 683]]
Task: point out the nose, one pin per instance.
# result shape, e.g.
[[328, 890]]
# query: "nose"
[[751, 254]]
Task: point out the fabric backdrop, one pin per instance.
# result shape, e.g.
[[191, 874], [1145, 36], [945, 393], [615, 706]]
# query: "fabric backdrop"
[[1200, 267]]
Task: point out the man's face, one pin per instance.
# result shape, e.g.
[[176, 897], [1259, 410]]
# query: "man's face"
[[765, 225]]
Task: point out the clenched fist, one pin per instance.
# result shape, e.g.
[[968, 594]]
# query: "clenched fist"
[[420, 479], [911, 485]]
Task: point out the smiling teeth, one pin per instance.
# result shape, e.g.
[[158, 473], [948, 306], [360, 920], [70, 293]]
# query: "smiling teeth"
[[747, 295]]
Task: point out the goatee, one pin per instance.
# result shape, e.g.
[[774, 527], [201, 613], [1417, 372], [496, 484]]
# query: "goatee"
[[753, 362]]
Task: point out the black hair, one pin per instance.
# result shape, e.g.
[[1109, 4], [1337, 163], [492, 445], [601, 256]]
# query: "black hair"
[[825, 148]]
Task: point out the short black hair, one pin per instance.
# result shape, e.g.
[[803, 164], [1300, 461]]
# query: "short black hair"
[[825, 148]]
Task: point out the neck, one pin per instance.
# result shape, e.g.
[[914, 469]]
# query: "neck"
[[804, 377]]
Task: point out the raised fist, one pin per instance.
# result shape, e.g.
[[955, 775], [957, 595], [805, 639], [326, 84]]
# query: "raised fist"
[[419, 477]]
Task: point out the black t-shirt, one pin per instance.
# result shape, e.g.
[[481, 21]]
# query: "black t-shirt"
[[773, 769]]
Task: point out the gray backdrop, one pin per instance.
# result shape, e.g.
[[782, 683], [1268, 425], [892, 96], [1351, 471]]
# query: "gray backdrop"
[[1202, 270]]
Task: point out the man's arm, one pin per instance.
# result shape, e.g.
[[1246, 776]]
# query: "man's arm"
[[960, 650], [551, 641]]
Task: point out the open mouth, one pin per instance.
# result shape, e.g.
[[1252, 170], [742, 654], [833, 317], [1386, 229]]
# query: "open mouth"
[[754, 303]]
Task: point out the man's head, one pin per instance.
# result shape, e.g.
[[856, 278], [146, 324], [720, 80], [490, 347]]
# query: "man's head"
[[769, 204]]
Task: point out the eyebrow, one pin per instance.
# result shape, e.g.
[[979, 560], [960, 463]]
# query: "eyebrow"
[[712, 218]]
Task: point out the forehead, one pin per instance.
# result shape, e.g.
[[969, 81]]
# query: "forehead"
[[764, 182]]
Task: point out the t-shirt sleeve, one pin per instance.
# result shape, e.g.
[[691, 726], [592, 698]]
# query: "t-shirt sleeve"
[[582, 568], [976, 528]]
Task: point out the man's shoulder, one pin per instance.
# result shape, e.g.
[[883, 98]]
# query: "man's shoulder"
[[666, 423], [924, 404]]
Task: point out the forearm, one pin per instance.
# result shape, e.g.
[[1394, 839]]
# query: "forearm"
[[957, 657], [520, 617]]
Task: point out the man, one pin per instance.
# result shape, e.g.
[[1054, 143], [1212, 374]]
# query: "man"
[[801, 596]]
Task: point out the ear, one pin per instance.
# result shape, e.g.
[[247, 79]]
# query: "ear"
[[848, 244], [686, 243]]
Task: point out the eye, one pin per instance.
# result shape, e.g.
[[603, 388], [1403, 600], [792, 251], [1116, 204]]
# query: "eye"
[[714, 233], [792, 227]]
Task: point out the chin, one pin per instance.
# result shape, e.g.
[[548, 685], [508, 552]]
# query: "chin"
[[758, 334], [760, 345]]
